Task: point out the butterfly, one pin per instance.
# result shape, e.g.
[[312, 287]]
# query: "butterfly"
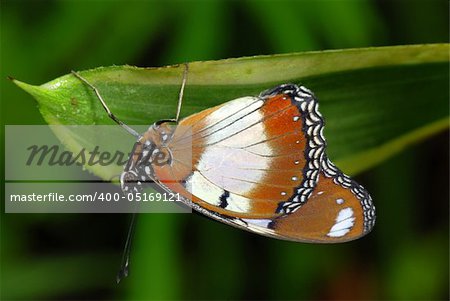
[[258, 163]]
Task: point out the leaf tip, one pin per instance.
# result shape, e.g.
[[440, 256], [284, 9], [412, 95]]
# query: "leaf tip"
[[31, 89]]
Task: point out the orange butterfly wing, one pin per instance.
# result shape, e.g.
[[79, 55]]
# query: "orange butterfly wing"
[[259, 163]]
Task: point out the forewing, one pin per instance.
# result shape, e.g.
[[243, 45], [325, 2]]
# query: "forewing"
[[253, 157]]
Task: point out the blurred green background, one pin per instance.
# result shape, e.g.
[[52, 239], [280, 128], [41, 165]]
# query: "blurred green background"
[[68, 256]]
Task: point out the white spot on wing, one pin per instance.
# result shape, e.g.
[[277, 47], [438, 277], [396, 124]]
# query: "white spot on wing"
[[259, 225], [338, 233], [203, 189], [238, 203], [258, 222], [147, 170], [344, 214], [339, 201], [344, 222]]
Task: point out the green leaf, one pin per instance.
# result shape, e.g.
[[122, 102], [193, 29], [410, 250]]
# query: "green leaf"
[[376, 101]]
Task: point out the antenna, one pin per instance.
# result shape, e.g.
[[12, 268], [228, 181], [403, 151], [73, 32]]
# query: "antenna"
[[105, 106], [180, 98]]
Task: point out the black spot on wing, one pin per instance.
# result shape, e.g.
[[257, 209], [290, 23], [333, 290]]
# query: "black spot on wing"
[[224, 199]]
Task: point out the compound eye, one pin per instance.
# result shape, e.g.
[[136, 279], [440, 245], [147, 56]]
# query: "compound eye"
[[129, 182]]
